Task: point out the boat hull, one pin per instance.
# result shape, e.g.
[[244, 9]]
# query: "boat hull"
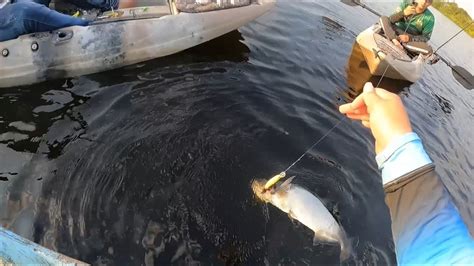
[[390, 60], [15, 250], [76, 51]]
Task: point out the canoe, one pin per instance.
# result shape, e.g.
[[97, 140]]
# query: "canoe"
[[116, 39], [382, 56], [16, 250]]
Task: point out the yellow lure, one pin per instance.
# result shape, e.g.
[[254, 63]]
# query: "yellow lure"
[[270, 183]]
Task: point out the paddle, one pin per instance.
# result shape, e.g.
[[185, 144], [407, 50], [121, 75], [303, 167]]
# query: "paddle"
[[358, 3], [463, 76]]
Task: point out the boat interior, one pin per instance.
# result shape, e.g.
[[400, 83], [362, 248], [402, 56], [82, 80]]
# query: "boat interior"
[[411, 50], [145, 9]]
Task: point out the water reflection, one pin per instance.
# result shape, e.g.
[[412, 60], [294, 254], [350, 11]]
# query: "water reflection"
[[358, 74], [28, 113], [229, 47], [93, 171], [332, 28]]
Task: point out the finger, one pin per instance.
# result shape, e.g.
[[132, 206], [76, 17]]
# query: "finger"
[[370, 100], [354, 105], [384, 94], [368, 87], [358, 102], [359, 111], [366, 123], [358, 117], [345, 108]]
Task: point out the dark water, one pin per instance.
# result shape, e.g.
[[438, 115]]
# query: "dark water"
[[152, 163]]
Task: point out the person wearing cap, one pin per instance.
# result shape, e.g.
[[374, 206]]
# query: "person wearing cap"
[[427, 227], [412, 22]]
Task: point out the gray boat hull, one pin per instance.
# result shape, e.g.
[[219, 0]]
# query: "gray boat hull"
[[77, 51]]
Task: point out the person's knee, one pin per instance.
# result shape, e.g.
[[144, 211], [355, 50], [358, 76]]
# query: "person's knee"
[[28, 10]]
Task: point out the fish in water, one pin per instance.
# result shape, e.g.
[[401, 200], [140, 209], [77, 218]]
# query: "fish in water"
[[303, 206]]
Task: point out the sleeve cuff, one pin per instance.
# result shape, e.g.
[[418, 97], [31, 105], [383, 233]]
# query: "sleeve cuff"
[[402, 156]]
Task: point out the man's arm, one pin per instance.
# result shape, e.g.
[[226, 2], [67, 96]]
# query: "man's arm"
[[399, 13], [427, 228], [417, 38], [396, 17], [428, 26]]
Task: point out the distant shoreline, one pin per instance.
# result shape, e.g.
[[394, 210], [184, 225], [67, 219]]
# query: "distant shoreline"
[[458, 15]]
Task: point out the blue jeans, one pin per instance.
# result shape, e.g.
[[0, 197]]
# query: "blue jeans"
[[26, 16]]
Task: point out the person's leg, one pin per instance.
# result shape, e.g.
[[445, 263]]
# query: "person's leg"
[[38, 18], [28, 17], [7, 23], [42, 2]]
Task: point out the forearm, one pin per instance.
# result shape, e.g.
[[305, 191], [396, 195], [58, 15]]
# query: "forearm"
[[418, 38], [396, 17], [427, 228]]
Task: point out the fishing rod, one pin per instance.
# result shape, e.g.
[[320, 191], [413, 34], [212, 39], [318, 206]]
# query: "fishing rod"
[[463, 76], [446, 42]]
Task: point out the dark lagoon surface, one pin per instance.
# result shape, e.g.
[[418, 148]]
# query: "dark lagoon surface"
[[153, 163]]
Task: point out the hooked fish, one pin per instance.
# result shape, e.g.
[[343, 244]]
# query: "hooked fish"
[[303, 206]]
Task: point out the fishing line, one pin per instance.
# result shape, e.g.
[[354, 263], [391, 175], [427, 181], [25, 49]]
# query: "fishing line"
[[281, 175], [314, 145], [327, 133]]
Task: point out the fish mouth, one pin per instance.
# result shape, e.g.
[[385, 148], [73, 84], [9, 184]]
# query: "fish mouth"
[[258, 187]]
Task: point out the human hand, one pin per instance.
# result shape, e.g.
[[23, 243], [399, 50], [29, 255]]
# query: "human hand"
[[409, 10], [404, 38], [381, 111]]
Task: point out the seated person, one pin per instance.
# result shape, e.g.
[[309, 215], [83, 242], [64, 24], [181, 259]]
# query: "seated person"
[[412, 22], [19, 17]]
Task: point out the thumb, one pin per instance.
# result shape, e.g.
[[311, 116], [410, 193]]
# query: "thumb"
[[368, 87], [359, 101], [371, 99], [370, 95]]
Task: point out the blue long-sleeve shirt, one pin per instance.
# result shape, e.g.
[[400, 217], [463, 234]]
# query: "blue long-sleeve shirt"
[[426, 225]]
